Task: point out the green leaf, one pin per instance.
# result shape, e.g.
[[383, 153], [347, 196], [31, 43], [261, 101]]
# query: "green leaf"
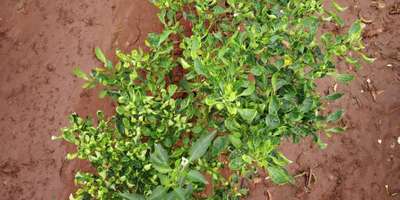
[[307, 105], [320, 143], [247, 115], [235, 140], [80, 74], [236, 163], [335, 130], [219, 144], [334, 96], [249, 91], [172, 89], [159, 159], [344, 78], [280, 160], [198, 67], [69, 137], [103, 94], [335, 116], [196, 177], [184, 64], [100, 55], [272, 121], [158, 193], [368, 59], [179, 194], [119, 123], [279, 175], [337, 19], [164, 36], [232, 124], [338, 7], [200, 147], [129, 196], [273, 106], [161, 153], [276, 82], [355, 31], [351, 60]]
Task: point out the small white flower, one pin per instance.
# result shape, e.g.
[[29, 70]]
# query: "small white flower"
[[184, 162]]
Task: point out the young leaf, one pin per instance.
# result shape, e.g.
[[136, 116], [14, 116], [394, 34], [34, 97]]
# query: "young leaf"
[[200, 147], [164, 36], [338, 7], [103, 94], [80, 74], [185, 64], [69, 137], [280, 160], [344, 78], [335, 130], [100, 55], [337, 19], [128, 196], [334, 96], [247, 115], [355, 31], [172, 89], [368, 59], [335, 116], [196, 177], [279, 175]]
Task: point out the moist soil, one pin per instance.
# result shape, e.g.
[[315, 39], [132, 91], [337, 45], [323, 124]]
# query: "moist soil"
[[41, 41]]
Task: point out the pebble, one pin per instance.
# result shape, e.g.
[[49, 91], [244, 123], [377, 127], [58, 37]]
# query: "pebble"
[[380, 141], [398, 140]]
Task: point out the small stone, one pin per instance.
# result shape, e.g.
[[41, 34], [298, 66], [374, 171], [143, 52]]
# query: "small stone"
[[379, 141], [368, 80], [389, 65], [362, 91], [398, 140]]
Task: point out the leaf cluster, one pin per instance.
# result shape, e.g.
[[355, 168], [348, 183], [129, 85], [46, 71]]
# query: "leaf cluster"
[[220, 88]]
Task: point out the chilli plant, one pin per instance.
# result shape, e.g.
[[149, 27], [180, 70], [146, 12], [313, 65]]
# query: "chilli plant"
[[209, 103]]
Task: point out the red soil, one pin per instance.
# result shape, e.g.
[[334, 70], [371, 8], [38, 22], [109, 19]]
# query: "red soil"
[[41, 41]]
